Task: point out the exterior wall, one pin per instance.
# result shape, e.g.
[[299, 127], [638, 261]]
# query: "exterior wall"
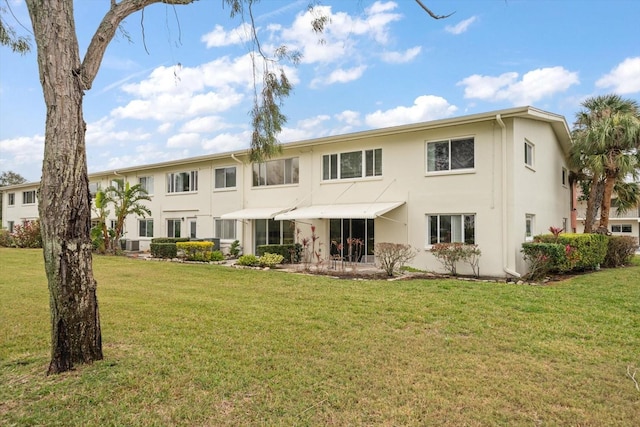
[[537, 190], [19, 211], [631, 217], [499, 190]]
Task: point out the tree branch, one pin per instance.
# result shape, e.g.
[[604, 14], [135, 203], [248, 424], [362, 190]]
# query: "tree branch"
[[107, 29], [433, 15]]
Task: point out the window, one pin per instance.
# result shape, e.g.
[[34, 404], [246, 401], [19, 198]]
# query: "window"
[[193, 226], [351, 165], [113, 223], [529, 153], [12, 199], [225, 177], [28, 197], [565, 177], [173, 227], [10, 226], [450, 155], [565, 224], [272, 232], [529, 227], [182, 182], [224, 229], [93, 189], [451, 229], [276, 172], [145, 227], [146, 183], [621, 228]]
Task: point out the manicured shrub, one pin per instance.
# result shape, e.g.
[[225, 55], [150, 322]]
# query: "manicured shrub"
[[450, 254], [291, 253], [5, 239], [164, 250], [27, 235], [249, 260], [587, 251], [169, 239], [216, 256], [544, 258], [393, 256], [270, 260], [235, 249], [195, 251], [620, 251]]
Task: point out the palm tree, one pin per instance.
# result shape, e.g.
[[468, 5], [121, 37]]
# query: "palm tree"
[[606, 144], [126, 200]]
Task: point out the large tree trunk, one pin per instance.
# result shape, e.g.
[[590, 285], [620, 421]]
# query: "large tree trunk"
[[64, 200], [593, 202]]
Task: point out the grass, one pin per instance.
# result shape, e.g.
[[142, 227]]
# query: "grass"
[[210, 345]]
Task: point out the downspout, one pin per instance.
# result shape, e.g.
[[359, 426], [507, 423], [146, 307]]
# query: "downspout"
[[505, 211]]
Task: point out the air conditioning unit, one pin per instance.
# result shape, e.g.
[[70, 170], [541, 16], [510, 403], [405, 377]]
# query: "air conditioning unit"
[[132, 245]]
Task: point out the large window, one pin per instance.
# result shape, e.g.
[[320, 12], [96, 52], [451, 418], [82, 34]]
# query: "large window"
[[450, 155], [276, 172], [173, 227], [451, 229], [181, 182], [354, 164], [12, 199], [28, 197], [146, 183], [225, 177], [622, 228], [224, 229], [145, 228], [529, 154], [272, 232]]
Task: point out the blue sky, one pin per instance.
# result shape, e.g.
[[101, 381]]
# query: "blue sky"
[[381, 63]]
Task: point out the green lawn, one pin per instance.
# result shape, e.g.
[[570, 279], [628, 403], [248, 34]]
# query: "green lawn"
[[211, 345]]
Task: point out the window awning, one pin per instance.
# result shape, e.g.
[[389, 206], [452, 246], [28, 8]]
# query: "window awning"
[[254, 213], [354, 210]]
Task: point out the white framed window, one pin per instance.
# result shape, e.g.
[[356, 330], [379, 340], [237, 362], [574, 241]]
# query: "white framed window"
[[113, 223], [276, 172], [529, 154], [10, 225], [451, 228], [182, 182], [451, 155], [93, 189], [354, 164], [224, 229], [11, 199], [145, 227], [173, 227], [565, 177], [225, 177], [146, 183], [28, 197], [565, 224], [272, 232], [621, 228], [529, 227]]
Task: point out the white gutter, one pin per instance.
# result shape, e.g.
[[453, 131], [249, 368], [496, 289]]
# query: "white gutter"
[[505, 211]]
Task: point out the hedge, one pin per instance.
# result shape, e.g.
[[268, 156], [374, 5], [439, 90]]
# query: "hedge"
[[169, 239], [292, 253], [587, 251], [620, 251], [164, 250], [195, 251]]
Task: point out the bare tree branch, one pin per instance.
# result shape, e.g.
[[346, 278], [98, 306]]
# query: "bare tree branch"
[[433, 15]]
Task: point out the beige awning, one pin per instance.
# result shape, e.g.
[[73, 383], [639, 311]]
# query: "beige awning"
[[353, 210], [254, 213]]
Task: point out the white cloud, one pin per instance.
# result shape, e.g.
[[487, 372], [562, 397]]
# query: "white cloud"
[[340, 76], [183, 140], [424, 108], [401, 57], [227, 142], [106, 131], [219, 37], [460, 27], [204, 124], [534, 85], [624, 78], [349, 117], [22, 151]]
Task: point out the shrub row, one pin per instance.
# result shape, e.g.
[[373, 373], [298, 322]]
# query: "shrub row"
[[266, 260], [25, 235], [291, 253]]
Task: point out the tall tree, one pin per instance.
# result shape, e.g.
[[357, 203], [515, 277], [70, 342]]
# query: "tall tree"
[[64, 202], [606, 144]]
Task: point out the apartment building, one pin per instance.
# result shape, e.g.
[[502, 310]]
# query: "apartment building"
[[493, 179]]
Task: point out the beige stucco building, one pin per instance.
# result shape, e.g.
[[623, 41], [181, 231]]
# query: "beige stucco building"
[[494, 179]]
